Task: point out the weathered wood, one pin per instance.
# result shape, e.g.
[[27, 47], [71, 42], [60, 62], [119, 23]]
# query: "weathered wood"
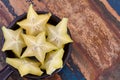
[[5, 19], [96, 33], [5, 16], [20, 9], [92, 33], [110, 9]]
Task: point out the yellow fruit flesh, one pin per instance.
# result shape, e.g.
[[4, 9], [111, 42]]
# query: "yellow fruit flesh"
[[13, 41], [57, 35], [25, 66], [37, 46], [53, 61]]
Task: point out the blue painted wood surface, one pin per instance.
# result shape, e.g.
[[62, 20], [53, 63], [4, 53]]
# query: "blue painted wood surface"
[[115, 5], [71, 72]]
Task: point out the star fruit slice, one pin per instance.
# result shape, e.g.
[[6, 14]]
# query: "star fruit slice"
[[25, 66], [58, 34], [53, 61], [37, 46], [34, 24], [13, 41]]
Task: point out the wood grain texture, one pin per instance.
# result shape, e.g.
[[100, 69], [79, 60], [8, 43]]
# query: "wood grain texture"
[[93, 35], [5, 19], [96, 33], [5, 16], [110, 9]]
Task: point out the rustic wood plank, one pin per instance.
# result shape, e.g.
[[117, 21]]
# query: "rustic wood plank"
[[20, 9], [95, 37], [5, 19], [96, 33], [112, 73], [20, 6], [39, 5], [110, 9], [5, 16]]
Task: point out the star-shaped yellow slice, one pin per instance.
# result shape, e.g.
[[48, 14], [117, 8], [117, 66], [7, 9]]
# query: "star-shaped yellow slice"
[[25, 66], [53, 61], [34, 24], [37, 46], [58, 34], [13, 40]]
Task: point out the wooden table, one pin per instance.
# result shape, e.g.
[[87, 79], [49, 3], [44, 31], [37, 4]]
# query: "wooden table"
[[95, 29]]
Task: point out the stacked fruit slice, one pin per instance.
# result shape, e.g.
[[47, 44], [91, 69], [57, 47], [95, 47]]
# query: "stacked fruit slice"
[[43, 41]]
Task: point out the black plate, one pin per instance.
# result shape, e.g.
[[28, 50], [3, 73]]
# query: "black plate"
[[54, 20]]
